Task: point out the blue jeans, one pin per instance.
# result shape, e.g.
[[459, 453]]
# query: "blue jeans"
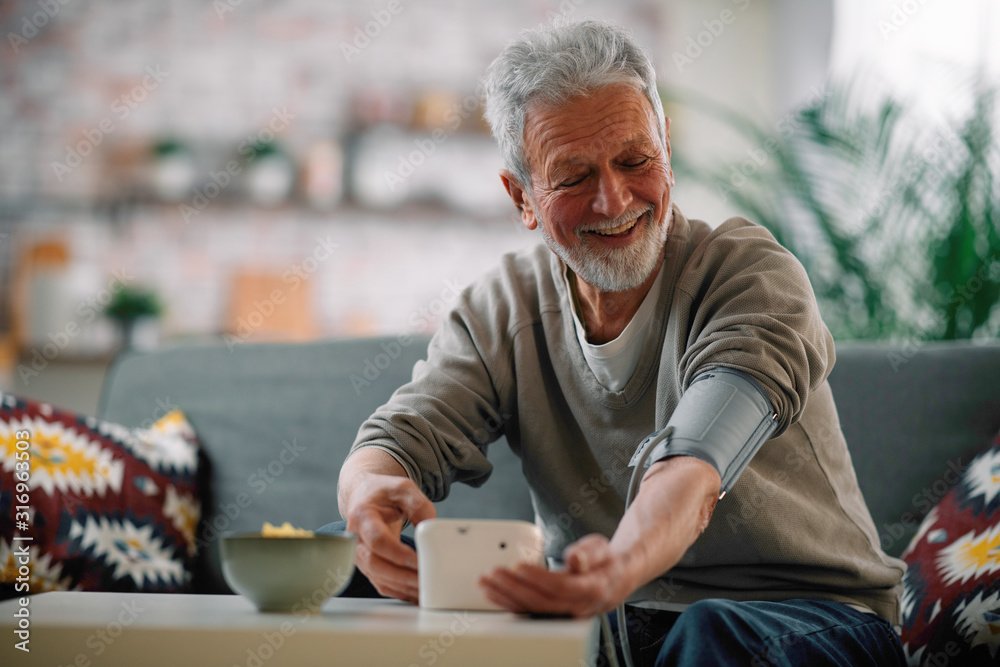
[[811, 633], [763, 634]]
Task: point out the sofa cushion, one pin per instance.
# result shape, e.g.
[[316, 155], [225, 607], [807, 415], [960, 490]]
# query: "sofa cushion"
[[951, 598], [97, 506]]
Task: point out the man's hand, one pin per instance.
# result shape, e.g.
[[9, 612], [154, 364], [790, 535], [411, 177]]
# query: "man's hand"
[[595, 581], [672, 508], [377, 501]]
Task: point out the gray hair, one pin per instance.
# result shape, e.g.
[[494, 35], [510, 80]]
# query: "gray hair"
[[553, 64]]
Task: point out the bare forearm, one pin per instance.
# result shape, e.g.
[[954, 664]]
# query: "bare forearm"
[[368, 460], [672, 508]]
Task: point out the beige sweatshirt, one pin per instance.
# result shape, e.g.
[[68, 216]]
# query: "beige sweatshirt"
[[507, 362]]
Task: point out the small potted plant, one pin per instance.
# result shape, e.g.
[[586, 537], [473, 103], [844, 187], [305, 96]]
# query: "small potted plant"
[[173, 170], [135, 310], [270, 173]]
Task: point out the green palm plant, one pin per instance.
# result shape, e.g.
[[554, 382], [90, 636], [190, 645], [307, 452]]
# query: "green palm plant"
[[894, 217]]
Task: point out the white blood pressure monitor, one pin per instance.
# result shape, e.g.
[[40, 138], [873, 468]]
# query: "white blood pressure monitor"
[[452, 555]]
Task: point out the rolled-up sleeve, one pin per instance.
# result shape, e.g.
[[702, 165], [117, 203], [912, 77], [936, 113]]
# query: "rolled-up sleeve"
[[754, 310]]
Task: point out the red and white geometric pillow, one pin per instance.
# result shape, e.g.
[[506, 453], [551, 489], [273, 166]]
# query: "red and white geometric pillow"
[[109, 508], [951, 591]]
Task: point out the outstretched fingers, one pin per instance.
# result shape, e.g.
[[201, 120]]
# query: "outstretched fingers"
[[528, 588]]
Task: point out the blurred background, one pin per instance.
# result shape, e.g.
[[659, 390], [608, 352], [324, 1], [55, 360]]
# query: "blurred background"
[[251, 170]]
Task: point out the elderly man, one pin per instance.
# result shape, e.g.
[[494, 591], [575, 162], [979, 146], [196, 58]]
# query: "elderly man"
[[633, 320]]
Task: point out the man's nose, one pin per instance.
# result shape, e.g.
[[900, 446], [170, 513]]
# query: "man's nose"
[[613, 196]]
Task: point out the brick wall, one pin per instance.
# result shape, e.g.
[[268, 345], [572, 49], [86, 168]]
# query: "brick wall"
[[83, 83]]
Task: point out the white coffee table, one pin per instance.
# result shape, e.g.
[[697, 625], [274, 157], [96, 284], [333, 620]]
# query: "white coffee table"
[[90, 629]]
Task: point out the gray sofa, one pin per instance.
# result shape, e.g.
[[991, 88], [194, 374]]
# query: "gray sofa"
[[276, 421]]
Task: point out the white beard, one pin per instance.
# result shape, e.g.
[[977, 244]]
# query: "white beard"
[[616, 269]]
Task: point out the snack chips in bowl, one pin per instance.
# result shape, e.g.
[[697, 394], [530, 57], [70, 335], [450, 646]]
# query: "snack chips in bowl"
[[284, 530]]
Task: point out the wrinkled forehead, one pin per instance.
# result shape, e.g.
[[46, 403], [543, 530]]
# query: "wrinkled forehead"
[[612, 118], [545, 102]]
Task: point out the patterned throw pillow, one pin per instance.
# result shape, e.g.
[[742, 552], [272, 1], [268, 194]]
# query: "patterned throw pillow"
[[951, 592], [90, 505]]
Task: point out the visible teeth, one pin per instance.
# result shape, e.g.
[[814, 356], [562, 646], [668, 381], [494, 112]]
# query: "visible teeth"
[[616, 230]]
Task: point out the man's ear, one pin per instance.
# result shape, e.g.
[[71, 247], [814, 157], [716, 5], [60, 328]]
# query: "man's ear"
[[520, 199], [666, 135]]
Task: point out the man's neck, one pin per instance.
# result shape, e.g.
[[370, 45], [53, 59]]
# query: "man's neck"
[[606, 314]]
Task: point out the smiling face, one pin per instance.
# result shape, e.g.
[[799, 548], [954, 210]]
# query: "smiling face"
[[600, 185]]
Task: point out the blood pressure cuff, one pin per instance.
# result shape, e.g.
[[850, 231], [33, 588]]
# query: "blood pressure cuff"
[[723, 419]]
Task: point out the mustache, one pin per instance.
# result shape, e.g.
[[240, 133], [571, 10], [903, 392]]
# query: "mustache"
[[624, 218]]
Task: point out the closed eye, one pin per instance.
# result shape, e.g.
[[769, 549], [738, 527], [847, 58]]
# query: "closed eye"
[[572, 181], [636, 162]]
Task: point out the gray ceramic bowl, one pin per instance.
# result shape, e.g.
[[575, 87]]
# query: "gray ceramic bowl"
[[293, 574]]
